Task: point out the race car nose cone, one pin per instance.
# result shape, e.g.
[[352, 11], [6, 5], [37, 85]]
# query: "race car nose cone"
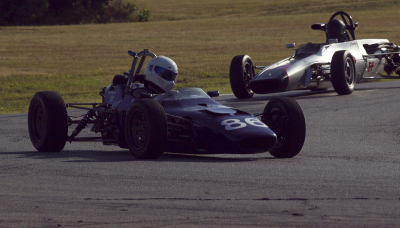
[[258, 144]]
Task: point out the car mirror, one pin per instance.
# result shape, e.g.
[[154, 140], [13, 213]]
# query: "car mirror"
[[319, 26], [291, 45], [145, 95], [214, 93]]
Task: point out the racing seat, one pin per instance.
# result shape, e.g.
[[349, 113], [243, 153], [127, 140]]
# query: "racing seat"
[[336, 29]]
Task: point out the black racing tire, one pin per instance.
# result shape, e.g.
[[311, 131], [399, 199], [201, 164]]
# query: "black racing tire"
[[343, 72], [241, 72], [48, 121], [284, 116], [146, 129]]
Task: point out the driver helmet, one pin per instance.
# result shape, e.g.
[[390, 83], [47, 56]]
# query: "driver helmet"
[[161, 72], [336, 29]]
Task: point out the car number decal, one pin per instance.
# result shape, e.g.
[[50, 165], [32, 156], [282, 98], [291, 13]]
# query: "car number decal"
[[370, 66], [232, 124]]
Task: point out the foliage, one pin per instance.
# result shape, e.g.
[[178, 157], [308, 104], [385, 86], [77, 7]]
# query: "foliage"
[[144, 15], [22, 12], [64, 12], [120, 12], [77, 11]]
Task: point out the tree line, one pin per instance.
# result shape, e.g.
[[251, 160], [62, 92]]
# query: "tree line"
[[66, 12]]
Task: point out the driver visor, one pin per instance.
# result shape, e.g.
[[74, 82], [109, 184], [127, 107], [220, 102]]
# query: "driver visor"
[[166, 74]]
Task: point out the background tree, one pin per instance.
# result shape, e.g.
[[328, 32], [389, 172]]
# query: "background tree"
[[78, 11], [22, 12], [64, 12]]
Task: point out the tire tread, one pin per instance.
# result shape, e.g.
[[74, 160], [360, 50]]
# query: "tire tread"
[[337, 73], [56, 116], [296, 128], [157, 128], [236, 76]]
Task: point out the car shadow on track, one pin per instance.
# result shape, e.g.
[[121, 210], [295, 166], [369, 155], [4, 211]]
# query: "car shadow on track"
[[218, 158], [300, 94], [76, 155], [307, 94], [378, 88], [126, 156]]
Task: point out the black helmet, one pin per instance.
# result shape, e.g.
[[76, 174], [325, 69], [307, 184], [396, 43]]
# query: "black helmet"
[[336, 29]]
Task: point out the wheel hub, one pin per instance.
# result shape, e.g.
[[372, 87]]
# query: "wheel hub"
[[139, 130], [39, 122], [349, 73], [277, 123], [248, 75]]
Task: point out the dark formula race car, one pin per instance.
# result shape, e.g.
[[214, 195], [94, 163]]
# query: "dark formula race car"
[[341, 62], [183, 121]]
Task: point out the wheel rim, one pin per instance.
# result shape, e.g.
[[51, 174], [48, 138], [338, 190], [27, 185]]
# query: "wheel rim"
[[277, 121], [139, 130], [248, 75], [38, 120], [349, 73]]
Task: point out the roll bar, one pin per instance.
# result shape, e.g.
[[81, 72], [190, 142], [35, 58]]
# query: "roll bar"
[[136, 57]]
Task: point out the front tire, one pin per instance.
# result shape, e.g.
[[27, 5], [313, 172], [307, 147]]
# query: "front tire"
[[343, 72], [283, 115], [48, 121], [241, 72], [146, 129]]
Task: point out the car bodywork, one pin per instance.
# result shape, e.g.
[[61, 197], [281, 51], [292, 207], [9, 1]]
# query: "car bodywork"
[[310, 65], [196, 122]]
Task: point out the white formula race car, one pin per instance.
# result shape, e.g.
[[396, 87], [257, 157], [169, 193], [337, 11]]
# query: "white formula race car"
[[341, 62]]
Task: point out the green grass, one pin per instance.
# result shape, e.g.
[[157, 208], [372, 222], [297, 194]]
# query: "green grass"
[[202, 37]]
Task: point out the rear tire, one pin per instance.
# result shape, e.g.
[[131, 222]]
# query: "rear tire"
[[284, 116], [343, 72], [241, 72], [146, 129], [48, 121]]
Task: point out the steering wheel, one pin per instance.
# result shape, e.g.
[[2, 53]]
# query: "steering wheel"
[[349, 23]]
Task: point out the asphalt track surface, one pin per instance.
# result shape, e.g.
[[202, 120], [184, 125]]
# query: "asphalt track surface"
[[347, 175]]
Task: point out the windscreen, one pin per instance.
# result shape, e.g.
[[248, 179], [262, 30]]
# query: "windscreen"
[[306, 50], [179, 94]]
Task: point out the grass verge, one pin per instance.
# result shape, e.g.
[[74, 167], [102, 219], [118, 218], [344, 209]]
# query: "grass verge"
[[79, 60]]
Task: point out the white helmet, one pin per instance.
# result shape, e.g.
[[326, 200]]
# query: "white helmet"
[[161, 72]]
